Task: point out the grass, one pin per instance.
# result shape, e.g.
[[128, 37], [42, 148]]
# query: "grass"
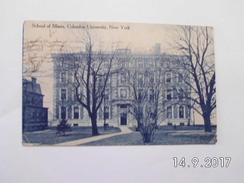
[[188, 128], [49, 137], [164, 136]]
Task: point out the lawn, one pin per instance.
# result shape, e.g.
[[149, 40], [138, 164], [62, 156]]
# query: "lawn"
[[164, 136], [49, 136]]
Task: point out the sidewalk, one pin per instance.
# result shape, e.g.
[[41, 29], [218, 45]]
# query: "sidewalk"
[[124, 130]]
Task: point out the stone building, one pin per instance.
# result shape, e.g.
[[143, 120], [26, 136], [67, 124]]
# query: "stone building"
[[149, 70], [35, 116]]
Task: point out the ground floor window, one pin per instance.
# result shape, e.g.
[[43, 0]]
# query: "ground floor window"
[[106, 112], [181, 112], [106, 115], [63, 112], [76, 112], [169, 112]]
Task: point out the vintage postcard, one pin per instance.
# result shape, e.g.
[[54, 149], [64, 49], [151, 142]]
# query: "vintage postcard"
[[106, 84]]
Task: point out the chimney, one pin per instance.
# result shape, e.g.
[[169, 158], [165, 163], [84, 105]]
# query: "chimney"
[[33, 81]]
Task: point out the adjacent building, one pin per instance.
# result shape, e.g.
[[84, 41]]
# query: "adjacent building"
[[35, 116], [148, 70]]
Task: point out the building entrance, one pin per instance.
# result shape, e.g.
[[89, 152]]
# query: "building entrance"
[[123, 119]]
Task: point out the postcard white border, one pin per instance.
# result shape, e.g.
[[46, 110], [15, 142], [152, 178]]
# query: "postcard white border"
[[124, 164]]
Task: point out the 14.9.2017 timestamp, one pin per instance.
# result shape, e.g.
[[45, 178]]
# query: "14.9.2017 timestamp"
[[208, 162]]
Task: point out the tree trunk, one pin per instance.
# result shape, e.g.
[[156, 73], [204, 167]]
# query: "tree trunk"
[[138, 125], [207, 122], [94, 125], [147, 138]]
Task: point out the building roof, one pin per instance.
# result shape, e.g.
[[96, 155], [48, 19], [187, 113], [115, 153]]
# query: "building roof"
[[31, 86]]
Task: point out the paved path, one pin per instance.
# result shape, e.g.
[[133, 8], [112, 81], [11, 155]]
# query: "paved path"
[[124, 130]]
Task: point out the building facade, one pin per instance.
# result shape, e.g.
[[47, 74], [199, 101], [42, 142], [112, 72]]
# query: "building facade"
[[35, 116], [156, 76]]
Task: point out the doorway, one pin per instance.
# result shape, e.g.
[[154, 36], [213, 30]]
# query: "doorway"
[[123, 119]]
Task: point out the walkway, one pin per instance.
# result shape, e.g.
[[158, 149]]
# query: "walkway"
[[124, 130]]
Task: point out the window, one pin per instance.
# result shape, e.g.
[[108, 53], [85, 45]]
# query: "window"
[[150, 63], [169, 112], [106, 112], [187, 112], [181, 112], [74, 79], [76, 63], [63, 112], [63, 94], [106, 94], [140, 94], [152, 115], [168, 77], [74, 94], [140, 79], [61, 62], [123, 93], [106, 115], [168, 64], [123, 77], [151, 95], [140, 63], [121, 62], [37, 116], [151, 77], [63, 77], [181, 94], [76, 112], [180, 78], [169, 94]]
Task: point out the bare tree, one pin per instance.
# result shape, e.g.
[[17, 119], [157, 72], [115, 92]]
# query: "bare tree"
[[91, 74], [145, 88], [195, 44]]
